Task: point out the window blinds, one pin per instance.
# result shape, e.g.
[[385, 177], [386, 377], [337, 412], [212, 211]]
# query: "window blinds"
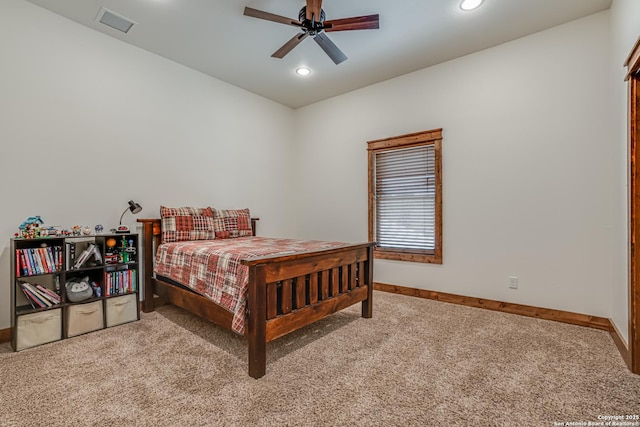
[[405, 198]]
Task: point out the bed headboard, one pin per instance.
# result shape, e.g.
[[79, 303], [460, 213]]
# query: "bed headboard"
[[153, 224]]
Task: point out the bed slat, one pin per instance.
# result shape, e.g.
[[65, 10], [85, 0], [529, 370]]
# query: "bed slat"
[[301, 294], [313, 288], [286, 296], [344, 279], [272, 300], [353, 270], [325, 284]]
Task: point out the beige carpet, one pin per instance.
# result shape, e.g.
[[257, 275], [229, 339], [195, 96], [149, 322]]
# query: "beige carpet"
[[417, 362]]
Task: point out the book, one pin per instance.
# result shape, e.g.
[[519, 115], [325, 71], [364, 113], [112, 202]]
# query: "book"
[[18, 270], [38, 294], [25, 257], [70, 254], [44, 259], [50, 260], [27, 264], [23, 263], [84, 256], [52, 296], [32, 261], [29, 300], [32, 296], [38, 258], [58, 252]]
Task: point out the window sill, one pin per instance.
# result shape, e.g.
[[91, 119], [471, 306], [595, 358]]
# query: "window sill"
[[407, 255]]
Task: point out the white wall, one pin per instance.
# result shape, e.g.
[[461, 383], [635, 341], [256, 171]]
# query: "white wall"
[[88, 122], [625, 30], [528, 170]]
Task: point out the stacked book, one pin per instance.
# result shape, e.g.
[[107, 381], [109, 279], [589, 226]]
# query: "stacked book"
[[39, 296]]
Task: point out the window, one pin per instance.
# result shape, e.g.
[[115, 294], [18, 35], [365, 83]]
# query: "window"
[[405, 197]]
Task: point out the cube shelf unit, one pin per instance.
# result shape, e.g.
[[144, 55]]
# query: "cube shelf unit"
[[41, 309]]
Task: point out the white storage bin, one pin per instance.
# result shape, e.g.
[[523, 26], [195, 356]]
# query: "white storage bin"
[[122, 310], [83, 318], [38, 328]]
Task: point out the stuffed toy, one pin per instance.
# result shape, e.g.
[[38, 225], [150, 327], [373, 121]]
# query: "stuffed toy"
[[79, 291]]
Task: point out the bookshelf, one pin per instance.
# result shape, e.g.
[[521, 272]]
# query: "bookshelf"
[[67, 286]]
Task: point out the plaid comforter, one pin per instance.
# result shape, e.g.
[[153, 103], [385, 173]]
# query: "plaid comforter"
[[213, 268]]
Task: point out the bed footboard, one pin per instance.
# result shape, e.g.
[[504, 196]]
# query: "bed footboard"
[[288, 292]]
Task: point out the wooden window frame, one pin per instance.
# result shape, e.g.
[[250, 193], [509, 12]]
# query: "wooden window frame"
[[430, 137]]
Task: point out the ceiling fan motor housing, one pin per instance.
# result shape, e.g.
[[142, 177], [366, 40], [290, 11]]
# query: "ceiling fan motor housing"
[[311, 27]]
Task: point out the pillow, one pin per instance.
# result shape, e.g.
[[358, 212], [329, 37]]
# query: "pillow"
[[232, 223], [187, 223]]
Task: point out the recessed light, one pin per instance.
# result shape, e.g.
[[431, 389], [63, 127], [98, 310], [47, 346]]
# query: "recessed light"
[[470, 4], [303, 71]]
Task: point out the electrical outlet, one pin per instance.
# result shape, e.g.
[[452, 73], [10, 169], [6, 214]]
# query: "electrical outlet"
[[513, 282]]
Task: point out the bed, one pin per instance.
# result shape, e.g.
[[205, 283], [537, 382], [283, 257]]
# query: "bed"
[[284, 291]]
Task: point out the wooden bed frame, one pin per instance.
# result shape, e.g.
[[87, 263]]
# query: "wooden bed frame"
[[285, 292]]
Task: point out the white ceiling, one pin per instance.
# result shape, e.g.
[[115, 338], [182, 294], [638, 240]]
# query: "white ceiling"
[[214, 37]]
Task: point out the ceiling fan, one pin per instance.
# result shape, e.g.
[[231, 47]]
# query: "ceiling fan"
[[311, 20]]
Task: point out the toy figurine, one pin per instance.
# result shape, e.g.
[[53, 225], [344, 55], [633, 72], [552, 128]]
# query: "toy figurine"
[[30, 227], [86, 231], [124, 255], [75, 230], [99, 228]]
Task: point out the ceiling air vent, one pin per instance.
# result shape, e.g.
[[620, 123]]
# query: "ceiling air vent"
[[113, 20]]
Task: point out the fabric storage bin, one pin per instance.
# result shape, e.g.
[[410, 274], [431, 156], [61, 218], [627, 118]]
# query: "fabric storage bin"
[[38, 328], [122, 310], [83, 318]]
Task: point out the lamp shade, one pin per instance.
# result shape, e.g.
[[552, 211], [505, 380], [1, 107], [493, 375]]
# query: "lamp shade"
[[134, 207]]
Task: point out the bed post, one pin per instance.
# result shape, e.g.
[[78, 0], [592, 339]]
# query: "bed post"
[[367, 305], [148, 237], [253, 225], [257, 321]]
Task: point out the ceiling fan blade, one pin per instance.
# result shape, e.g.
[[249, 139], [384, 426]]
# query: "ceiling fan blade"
[[369, 22], [288, 46], [255, 13], [314, 8], [330, 49]]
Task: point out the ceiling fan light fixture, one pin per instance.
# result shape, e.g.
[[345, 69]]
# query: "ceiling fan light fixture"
[[470, 4], [303, 71]]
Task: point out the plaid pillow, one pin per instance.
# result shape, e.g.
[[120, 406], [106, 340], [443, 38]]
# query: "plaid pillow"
[[179, 224], [232, 223]]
